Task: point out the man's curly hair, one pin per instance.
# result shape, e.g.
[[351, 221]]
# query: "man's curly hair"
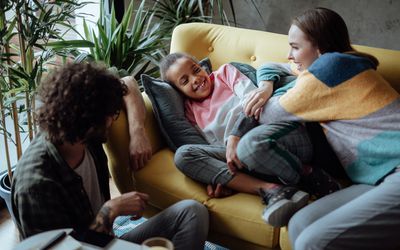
[[78, 98]]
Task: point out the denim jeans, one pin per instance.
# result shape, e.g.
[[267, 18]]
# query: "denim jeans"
[[357, 217]]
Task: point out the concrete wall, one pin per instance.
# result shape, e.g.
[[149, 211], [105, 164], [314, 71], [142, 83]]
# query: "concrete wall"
[[373, 23]]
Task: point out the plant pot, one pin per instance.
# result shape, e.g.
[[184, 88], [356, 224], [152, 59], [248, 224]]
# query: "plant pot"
[[5, 191], [2, 203]]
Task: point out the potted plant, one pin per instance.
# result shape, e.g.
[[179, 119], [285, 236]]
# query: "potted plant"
[[135, 45], [131, 47], [172, 13]]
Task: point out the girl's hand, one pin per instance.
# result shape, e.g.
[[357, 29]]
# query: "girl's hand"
[[255, 100], [232, 160]]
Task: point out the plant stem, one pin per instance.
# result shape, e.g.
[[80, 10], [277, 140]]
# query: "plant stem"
[[23, 59], [16, 128], [3, 124], [29, 57]]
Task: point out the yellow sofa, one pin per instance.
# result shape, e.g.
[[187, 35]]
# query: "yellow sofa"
[[235, 222]]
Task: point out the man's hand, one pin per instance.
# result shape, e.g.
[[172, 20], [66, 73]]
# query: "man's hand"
[[132, 203], [255, 100], [232, 160], [139, 150]]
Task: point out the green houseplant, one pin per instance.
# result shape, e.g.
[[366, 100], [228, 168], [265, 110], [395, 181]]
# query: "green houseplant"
[[171, 13], [135, 45], [131, 47]]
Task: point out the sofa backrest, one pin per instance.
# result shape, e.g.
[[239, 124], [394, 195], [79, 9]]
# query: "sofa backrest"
[[224, 44]]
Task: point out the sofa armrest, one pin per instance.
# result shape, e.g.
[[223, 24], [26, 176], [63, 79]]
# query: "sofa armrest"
[[117, 147]]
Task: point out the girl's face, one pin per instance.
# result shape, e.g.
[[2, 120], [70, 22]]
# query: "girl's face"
[[302, 51], [191, 79]]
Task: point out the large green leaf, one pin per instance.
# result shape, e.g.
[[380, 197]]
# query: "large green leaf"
[[70, 44]]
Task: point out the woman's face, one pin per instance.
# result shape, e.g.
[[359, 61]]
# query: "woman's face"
[[191, 79], [302, 52]]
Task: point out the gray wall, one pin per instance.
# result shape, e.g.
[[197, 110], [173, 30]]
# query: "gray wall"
[[373, 23]]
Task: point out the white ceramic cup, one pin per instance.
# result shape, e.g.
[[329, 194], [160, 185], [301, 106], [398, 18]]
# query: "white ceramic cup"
[[157, 243]]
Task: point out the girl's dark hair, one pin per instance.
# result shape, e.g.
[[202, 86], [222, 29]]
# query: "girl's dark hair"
[[78, 98], [327, 30], [169, 60]]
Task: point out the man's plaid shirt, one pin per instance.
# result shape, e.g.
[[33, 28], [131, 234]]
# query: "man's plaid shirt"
[[47, 194]]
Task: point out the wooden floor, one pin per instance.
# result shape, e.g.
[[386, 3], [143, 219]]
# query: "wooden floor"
[[9, 235]]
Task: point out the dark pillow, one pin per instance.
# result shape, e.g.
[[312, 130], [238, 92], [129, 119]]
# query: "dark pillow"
[[206, 65], [168, 108]]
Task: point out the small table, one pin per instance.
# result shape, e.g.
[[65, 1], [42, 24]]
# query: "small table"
[[38, 240]]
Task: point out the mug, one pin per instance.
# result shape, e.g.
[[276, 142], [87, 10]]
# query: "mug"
[[157, 243]]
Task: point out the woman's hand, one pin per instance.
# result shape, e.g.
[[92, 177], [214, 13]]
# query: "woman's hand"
[[255, 100], [232, 160]]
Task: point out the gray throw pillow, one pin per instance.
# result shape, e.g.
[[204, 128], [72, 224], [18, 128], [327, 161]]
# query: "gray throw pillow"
[[168, 108]]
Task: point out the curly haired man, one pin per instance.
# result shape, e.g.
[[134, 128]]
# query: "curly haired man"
[[61, 181]]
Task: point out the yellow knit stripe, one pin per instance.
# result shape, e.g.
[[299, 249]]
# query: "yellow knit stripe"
[[359, 96]]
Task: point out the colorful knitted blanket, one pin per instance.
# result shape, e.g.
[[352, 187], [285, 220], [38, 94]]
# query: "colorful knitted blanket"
[[358, 109]]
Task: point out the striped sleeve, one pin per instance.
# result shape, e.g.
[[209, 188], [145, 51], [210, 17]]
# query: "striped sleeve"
[[273, 72]]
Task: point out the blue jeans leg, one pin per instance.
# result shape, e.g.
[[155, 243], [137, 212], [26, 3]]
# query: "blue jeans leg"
[[358, 217]]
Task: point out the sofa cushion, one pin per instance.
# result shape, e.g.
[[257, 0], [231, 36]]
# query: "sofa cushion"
[[239, 215], [165, 184]]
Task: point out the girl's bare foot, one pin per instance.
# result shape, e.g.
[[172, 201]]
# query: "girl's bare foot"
[[219, 191]]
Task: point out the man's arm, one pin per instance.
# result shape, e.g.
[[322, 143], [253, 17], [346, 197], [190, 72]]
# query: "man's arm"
[[39, 210], [139, 145]]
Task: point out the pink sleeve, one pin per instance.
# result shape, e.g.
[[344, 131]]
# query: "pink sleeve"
[[230, 76]]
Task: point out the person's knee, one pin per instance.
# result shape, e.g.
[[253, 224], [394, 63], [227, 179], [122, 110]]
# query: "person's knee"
[[305, 242], [302, 235], [297, 224], [182, 155], [312, 238], [195, 208], [195, 211], [252, 143]]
